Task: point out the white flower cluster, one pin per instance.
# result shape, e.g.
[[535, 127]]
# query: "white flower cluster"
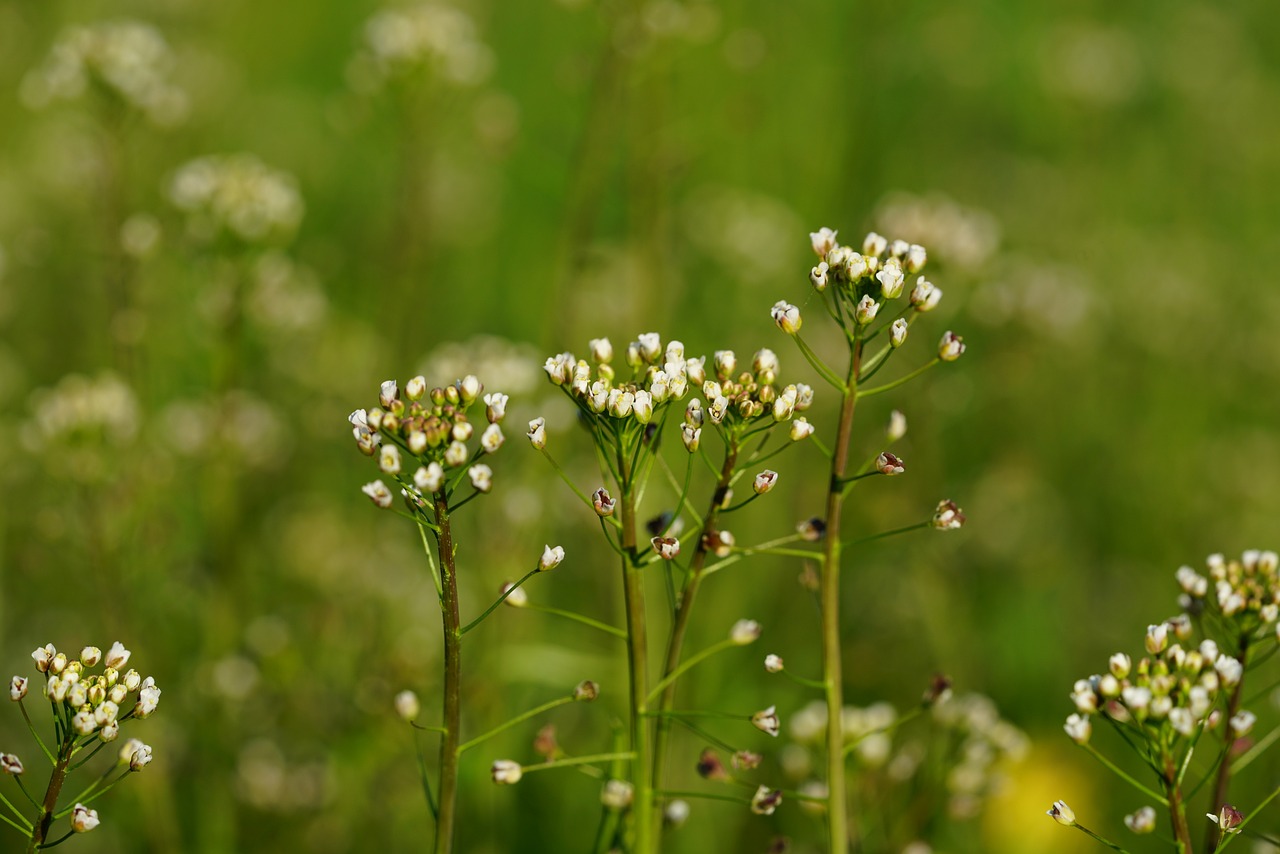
[[426, 434], [96, 702], [658, 377], [128, 58], [431, 37], [237, 194], [734, 400], [82, 408]]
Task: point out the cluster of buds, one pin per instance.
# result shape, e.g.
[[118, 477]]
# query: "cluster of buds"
[[431, 37], [1169, 694], [1246, 590], [129, 59], [658, 376], [418, 436], [94, 702], [737, 400], [239, 195]]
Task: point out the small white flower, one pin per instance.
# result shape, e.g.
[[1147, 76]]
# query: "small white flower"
[[925, 296], [691, 436], [773, 663], [764, 481], [516, 598], [617, 794], [495, 407], [603, 503], [787, 316], [538, 433], [551, 557], [117, 656], [889, 464], [891, 280], [1242, 723], [407, 705], [866, 310], [601, 350], [874, 244], [491, 440], [415, 388], [1078, 728], [11, 764], [667, 547], [897, 333], [18, 688], [766, 720], [90, 656], [389, 459], [429, 478], [744, 632], [469, 388], [818, 276], [1062, 814], [642, 406], [505, 772], [83, 819], [823, 241], [141, 758], [388, 393], [1141, 821], [1120, 665], [765, 800], [481, 477], [378, 493], [801, 429], [950, 347], [897, 427]]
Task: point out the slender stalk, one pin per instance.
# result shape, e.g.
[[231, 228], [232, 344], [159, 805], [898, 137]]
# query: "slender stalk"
[[680, 626], [520, 718], [451, 717], [49, 807], [1177, 807], [637, 660], [1223, 781], [832, 675]]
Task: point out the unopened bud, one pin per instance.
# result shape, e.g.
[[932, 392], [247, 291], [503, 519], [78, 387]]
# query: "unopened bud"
[[744, 632], [586, 691], [551, 557], [897, 333], [950, 347], [506, 772], [787, 316], [407, 705], [866, 310]]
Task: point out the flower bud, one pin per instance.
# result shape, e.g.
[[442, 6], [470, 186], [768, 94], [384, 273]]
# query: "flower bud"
[[889, 463], [801, 429], [818, 277], [516, 597], [603, 502], [1120, 665], [538, 433], [642, 407], [950, 347], [891, 280], [787, 316], [407, 706], [897, 426], [141, 758], [676, 812], [765, 481], [866, 310], [773, 663], [617, 795], [691, 436], [469, 388], [388, 393], [915, 259], [874, 244], [505, 772], [667, 547], [1242, 723], [586, 691], [83, 819], [1141, 821], [1062, 814], [601, 350], [551, 557], [765, 800], [897, 333], [766, 720], [1229, 670], [925, 296], [495, 407], [1078, 728], [1157, 638], [429, 478], [109, 732], [948, 516], [823, 241], [744, 632]]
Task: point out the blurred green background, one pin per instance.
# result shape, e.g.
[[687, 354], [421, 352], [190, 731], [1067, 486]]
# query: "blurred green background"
[[1097, 185]]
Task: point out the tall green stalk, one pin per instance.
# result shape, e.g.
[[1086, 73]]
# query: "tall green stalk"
[[832, 675], [451, 718], [40, 831], [637, 660], [684, 608]]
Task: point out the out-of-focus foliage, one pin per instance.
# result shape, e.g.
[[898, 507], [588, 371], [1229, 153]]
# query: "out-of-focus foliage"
[[222, 224]]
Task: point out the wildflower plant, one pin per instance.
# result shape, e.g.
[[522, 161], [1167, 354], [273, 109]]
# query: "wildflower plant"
[[1185, 702], [91, 699], [725, 422]]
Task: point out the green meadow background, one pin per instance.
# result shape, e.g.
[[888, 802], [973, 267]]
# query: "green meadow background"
[[1099, 188]]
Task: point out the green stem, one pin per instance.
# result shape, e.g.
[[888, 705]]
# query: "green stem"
[[577, 760], [1151, 793], [524, 716], [880, 389], [1223, 781], [1107, 842], [49, 807], [637, 661], [451, 717], [819, 365], [691, 662], [512, 589], [586, 621], [829, 595]]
